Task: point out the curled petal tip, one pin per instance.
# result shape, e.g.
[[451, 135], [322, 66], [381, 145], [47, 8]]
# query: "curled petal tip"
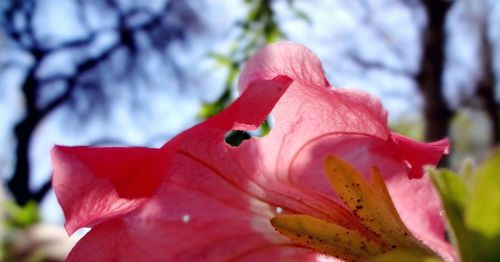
[[419, 154]]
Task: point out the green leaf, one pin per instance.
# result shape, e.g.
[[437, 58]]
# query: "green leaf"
[[265, 128], [472, 205], [454, 194], [482, 215]]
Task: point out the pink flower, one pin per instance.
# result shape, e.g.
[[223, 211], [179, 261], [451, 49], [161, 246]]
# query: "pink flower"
[[199, 199]]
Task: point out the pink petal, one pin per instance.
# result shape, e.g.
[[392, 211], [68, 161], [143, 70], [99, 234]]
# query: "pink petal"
[[230, 193], [419, 154], [251, 109], [284, 58], [313, 121], [117, 178], [310, 108], [418, 204], [196, 215], [308, 111], [216, 203], [416, 200], [94, 184]]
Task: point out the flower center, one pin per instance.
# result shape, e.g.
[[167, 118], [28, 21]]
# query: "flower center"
[[379, 228]]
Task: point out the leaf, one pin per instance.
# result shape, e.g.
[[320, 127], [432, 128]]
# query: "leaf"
[[482, 215], [265, 128], [453, 192], [473, 209]]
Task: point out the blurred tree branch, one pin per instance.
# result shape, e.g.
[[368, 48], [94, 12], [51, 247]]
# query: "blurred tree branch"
[[437, 114], [161, 28], [366, 64]]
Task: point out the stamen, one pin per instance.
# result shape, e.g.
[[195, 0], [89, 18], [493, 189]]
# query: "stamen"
[[378, 226]]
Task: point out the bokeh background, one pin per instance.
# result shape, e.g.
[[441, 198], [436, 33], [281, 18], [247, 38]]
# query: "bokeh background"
[[129, 73]]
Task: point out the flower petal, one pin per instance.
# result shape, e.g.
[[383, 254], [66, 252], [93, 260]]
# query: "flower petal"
[[284, 58], [94, 184], [415, 199], [419, 154], [203, 186], [310, 108], [226, 192], [196, 215], [251, 109]]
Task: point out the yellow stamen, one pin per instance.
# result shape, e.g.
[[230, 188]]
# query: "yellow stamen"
[[328, 238], [379, 226]]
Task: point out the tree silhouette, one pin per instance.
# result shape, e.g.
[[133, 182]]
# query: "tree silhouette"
[[437, 113], [137, 29]]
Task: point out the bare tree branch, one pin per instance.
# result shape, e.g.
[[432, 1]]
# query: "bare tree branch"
[[86, 77], [355, 57], [437, 114]]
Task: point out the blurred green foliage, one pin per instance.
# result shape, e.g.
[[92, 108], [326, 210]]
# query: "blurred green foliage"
[[471, 200], [14, 220], [21, 216], [410, 127]]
